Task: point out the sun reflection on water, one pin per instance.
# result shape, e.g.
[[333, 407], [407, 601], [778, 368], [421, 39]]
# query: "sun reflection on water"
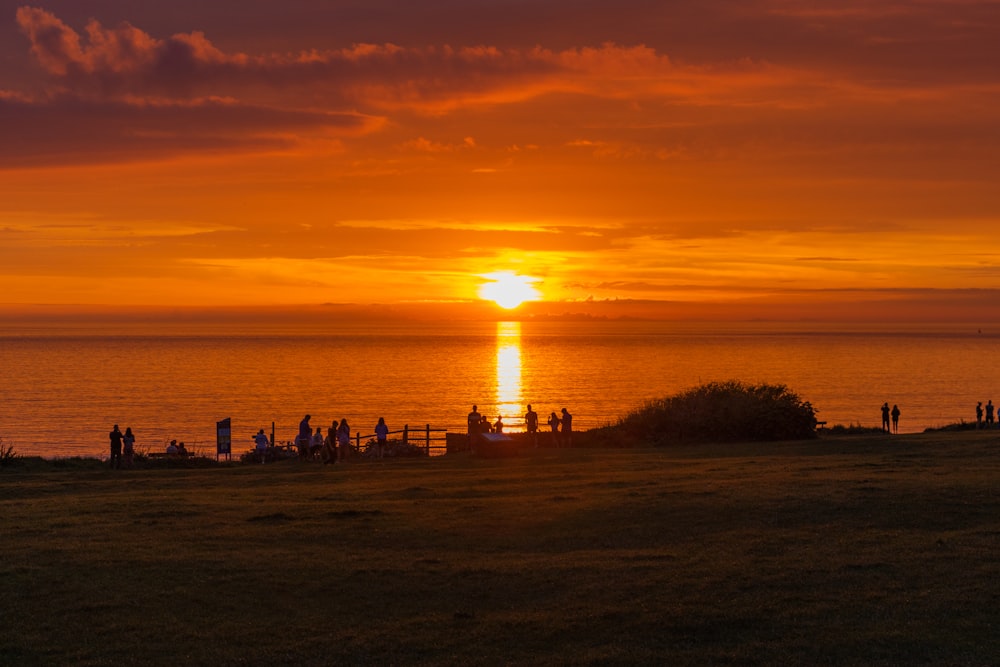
[[509, 373]]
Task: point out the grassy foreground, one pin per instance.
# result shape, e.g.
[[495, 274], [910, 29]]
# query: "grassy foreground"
[[864, 550]]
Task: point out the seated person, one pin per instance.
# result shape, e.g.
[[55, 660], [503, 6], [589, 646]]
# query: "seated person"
[[172, 448], [181, 449]]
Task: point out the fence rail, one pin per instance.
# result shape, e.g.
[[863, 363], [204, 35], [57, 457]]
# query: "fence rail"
[[430, 439], [424, 435]]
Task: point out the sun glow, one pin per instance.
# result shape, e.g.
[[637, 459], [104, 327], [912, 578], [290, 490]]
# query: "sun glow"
[[509, 369], [508, 289]]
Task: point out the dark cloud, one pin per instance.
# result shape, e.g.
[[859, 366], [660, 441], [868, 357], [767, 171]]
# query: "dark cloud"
[[126, 59], [68, 129]]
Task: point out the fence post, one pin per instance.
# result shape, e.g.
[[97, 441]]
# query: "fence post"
[[357, 441], [428, 440], [406, 434]]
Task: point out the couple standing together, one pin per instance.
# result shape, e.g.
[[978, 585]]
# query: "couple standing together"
[[886, 413], [120, 441], [561, 437]]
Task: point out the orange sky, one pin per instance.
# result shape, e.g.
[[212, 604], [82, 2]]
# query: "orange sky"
[[768, 158]]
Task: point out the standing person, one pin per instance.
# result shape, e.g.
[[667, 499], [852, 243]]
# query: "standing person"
[[128, 440], [885, 416], [531, 423], [989, 413], [567, 428], [554, 425], [305, 434], [381, 437], [330, 444], [895, 418], [498, 424], [475, 420], [343, 440], [979, 414], [116, 447], [317, 442], [261, 443]]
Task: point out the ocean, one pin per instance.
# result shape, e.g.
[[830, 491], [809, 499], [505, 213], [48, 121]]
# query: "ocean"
[[63, 388]]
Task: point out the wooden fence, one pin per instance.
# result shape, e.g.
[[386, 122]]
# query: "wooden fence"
[[420, 436], [431, 439]]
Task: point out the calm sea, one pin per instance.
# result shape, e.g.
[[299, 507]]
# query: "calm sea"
[[62, 389]]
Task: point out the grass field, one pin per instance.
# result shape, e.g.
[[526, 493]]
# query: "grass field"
[[860, 550]]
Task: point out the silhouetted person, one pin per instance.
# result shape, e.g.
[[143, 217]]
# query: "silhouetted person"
[[381, 437], [305, 435], [261, 444], [474, 420], [343, 440], [484, 425], [128, 441], [498, 424], [567, 428], [554, 425], [181, 449], [885, 417], [330, 444], [989, 414], [317, 442], [895, 418], [531, 424], [172, 448], [116, 447], [979, 414]]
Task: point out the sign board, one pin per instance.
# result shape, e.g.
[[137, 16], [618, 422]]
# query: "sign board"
[[223, 438]]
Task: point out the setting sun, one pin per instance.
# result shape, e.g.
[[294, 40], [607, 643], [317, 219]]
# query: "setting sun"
[[508, 289]]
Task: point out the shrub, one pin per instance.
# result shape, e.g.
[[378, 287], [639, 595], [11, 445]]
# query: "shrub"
[[723, 412], [393, 449], [7, 455], [960, 426]]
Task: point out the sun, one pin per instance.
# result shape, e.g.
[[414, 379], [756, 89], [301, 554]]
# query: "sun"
[[508, 289]]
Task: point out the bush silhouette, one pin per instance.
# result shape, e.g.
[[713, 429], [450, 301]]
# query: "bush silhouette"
[[728, 411]]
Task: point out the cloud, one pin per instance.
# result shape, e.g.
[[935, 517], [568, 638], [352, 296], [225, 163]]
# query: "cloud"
[[111, 51], [682, 111], [125, 59], [424, 145], [68, 129]]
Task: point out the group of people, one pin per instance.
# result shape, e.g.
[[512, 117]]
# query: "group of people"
[[122, 445], [176, 449], [886, 414], [331, 447], [123, 448], [989, 414], [561, 427]]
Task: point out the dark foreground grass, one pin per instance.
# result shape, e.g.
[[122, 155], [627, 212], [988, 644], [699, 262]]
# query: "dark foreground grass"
[[870, 550]]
